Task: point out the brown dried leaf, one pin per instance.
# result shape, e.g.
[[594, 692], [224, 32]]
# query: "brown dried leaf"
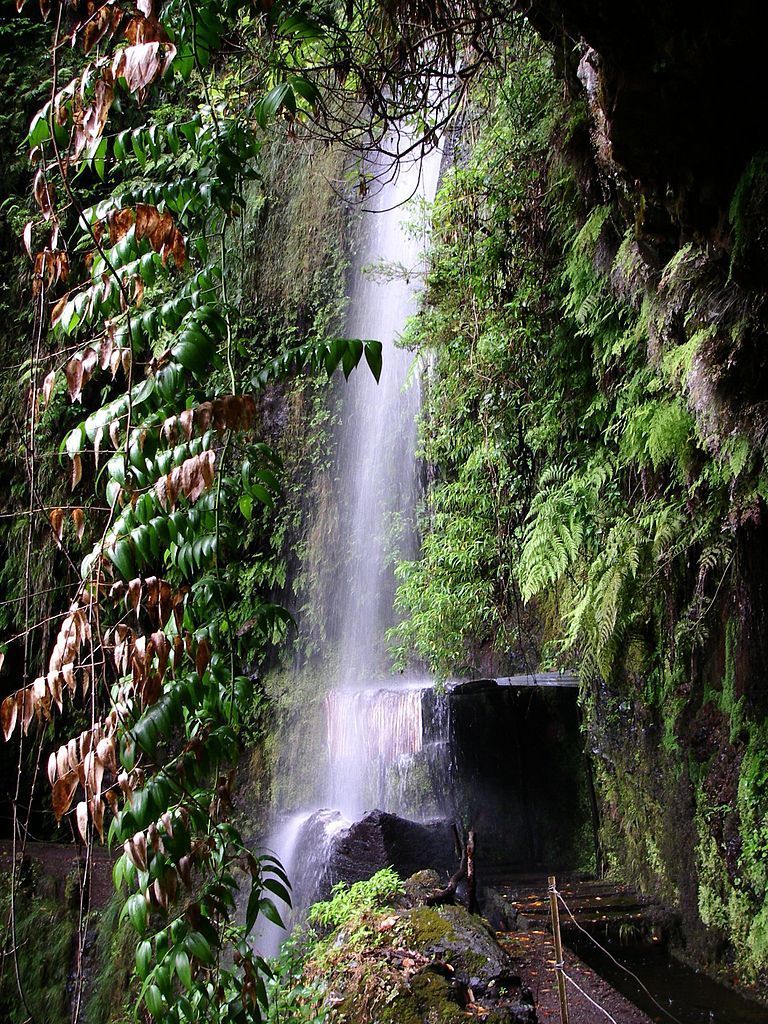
[[151, 690], [48, 388], [133, 597], [120, 223], [55, 680], [26, 237], [114, 362], [202, 656], [62, 761], [105, 350], [68, 675], [43, 193], [63, 792], [78, 521], [165, 602], [162, 646], [138, 64], [114, 433], [75, 378], [27, 707], [152, 591], [77, 471], [56, 519], [81, 814], [8, 712], [106, 752], [186, 422], [97, 814], [90, 359], [207, 460]]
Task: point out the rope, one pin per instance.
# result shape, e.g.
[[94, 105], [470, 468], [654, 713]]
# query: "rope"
[[611, 957], [589, 998]]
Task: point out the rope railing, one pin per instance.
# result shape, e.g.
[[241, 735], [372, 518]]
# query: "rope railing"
[[613, 960]]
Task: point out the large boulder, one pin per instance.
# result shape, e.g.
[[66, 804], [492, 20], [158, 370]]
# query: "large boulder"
[[382, 840], [420, 965], [329, 850]]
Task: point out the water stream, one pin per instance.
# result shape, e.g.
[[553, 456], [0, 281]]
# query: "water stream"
[[376, 736]]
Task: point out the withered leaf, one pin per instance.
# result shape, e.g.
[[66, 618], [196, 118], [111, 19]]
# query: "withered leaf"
[[133, 596], [56, 519], [202, 656], [52, 767], [8, 712], [43, 193], [47, 388], [78, 520], [120, 223], [139, 64], [58, 309], [55, 680], [81, 814], [27, 707], [26, 238], [75, 378], [63, 792], [77, 471], [97, 814]]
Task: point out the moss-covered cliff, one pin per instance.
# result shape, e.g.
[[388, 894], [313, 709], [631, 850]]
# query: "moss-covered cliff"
[[594, 426]]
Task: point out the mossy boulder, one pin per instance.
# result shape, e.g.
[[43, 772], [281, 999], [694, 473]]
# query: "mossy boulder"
[[452, 935], [419, 965]]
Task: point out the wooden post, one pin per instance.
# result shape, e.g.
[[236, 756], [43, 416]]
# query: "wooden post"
[[555, 910], [471, 879]]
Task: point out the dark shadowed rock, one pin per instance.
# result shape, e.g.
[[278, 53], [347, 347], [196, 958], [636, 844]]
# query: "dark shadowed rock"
[[330, 850], [382, 840]]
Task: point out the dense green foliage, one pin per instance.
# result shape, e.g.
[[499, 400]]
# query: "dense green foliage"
[[586, 504]]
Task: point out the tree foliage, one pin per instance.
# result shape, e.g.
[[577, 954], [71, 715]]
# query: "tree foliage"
[[131, 284]]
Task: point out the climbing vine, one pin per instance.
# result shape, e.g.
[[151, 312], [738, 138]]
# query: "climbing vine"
[[135, 324]]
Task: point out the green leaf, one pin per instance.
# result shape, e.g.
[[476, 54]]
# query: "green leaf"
[[39, 130], [278, 889], [183, 968], [351, 356], [143, 958], [199, 947], [270, 911], [137, 912], [121, 556], [269, 105], [154, 1000], [373, 358]]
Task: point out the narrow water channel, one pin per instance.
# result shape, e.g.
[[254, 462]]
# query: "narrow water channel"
[[684, 995]]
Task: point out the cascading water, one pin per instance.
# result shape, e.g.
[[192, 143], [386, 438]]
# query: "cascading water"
[[378, 744], [374, 728]]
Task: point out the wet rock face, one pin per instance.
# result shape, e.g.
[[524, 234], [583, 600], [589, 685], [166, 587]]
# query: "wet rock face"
[[675, 87], [330, 850], [382, 840]]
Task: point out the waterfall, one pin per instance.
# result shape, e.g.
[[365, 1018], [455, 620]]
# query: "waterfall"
[[375, 727], [378, 483], [379, 747]]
